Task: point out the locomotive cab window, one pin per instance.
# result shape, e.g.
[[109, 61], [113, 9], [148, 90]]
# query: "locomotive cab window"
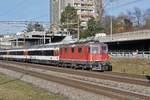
[[104, 49], [93, 50]]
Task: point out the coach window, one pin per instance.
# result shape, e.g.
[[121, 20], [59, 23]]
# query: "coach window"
[[20, 53], [30, 53], [48, 53], [2, 53], [12, 53], [45, 53], [51, 53], [35, 53], [66, 50], [72, 50], [40, 53], [79, 50]]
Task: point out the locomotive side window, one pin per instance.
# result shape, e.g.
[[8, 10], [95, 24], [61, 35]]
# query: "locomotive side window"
[[72, 50], [79, 50], [89, 50], [66, 50]]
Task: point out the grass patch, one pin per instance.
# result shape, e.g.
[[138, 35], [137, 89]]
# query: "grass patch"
[[131, 65], [12, 89]]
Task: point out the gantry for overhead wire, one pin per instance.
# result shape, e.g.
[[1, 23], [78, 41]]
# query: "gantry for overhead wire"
[[23, 22]]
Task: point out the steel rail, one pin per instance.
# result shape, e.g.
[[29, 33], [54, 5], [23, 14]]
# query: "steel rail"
[[91, 74], [109, 92]]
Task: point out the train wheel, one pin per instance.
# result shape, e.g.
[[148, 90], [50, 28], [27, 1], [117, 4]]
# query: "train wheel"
[[110, 68]]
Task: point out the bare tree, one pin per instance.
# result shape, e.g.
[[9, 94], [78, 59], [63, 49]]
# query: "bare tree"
[[138, 14], [101, 5], [34, 27], [106, 23], [99, 9], [121, 17], [147, 17], [130, 15]]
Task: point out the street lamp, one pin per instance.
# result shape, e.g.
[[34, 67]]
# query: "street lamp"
[[79, 16], [78, 28], [111, 25], [111, 28]]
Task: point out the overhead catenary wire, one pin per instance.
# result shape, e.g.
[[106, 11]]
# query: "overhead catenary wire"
[[16, 6], [37, 17], [13, 8], [125, 4], [106, 3]]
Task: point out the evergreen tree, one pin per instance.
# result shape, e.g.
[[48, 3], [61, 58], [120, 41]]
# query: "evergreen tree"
[[34, 27]]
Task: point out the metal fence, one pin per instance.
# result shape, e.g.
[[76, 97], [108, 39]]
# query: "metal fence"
[[141, 54]]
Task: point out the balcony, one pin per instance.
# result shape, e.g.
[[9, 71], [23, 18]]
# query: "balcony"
[[87, 15]]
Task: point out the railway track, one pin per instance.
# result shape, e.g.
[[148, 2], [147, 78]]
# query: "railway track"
[[112, 76], [105, 91]]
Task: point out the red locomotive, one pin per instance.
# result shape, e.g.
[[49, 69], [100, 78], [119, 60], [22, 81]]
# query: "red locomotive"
[[85, 55]]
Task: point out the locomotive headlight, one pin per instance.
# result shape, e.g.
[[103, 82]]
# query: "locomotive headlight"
[[104, 64]]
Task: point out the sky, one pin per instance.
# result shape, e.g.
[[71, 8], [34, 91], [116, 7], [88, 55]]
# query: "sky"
[[24, 10], [38, 10], [122, 6]]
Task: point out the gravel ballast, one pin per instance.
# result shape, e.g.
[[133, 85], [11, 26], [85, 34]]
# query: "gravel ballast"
[[143, 90], [69, 92]]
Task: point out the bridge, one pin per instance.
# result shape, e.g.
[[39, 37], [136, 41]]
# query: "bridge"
[[127, 36], [128, 41]]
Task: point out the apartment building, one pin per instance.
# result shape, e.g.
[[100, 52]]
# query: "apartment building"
[[85, 10]]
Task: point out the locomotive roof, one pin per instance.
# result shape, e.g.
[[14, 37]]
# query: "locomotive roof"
[[83, 44], [56, 45]]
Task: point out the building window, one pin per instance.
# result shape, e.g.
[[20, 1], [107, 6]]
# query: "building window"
[[69, 4]]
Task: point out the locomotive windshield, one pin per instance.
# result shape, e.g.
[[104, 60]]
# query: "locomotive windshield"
[[94, 50], [104, 49]]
